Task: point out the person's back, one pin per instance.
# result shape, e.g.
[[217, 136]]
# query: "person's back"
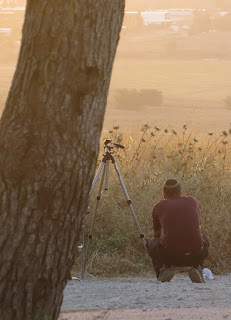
[[177, 236], [180, 222]]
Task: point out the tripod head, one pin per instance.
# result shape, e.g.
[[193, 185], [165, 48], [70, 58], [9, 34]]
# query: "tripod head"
[[109, 145]]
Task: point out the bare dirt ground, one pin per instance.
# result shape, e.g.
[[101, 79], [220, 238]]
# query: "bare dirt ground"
[[146, 298]]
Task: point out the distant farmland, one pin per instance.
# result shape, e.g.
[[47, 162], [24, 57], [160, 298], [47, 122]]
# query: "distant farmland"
[[207, 81], [194, 92]]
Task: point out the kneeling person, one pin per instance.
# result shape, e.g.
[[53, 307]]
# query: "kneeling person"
[[177, 236]]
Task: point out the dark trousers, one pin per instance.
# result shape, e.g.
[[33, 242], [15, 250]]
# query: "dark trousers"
[[161, 255]]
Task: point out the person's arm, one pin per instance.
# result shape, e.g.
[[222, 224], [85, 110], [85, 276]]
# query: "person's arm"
[[156, 223], [157, 234]]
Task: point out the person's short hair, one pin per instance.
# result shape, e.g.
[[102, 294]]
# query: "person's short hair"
[[171, 187]]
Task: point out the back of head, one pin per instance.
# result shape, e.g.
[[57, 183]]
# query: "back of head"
[[171, 187]]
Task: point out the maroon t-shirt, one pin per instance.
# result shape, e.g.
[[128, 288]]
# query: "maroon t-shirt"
[[179, 219]]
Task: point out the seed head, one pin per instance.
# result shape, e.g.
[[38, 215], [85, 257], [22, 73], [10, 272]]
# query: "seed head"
[[145, 127], [157, 128], [224, 133], [166, 130], [174, 132], [210, 133]]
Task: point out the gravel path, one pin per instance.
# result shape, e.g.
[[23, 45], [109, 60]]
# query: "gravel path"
[[143, 298]]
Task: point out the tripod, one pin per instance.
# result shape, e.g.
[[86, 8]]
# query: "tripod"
[[104, 165]]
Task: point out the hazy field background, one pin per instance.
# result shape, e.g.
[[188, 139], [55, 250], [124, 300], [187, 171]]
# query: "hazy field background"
[[193, 93], [193, 72]]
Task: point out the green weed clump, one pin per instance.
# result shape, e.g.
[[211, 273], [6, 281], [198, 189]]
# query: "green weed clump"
[[201, 163]]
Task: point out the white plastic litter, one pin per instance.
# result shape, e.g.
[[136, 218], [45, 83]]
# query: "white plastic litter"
[[207, 274]]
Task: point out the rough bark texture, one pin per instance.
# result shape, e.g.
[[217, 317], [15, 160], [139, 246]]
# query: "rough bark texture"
[[49, 134]]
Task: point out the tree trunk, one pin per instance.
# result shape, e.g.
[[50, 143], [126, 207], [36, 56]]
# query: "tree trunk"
[[49, 134]]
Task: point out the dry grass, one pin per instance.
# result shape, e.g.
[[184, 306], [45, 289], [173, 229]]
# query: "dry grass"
[[152, 155]]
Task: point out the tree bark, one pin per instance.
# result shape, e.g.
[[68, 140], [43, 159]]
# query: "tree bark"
[[49, 134]]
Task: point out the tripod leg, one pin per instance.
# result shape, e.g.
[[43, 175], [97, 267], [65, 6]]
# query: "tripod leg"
[[96, 177], [129, 202], [96, 209], [84, 252], [83, 257], [107, 175]]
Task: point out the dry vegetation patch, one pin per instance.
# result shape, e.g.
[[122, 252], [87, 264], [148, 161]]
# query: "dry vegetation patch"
[[152, 155]]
